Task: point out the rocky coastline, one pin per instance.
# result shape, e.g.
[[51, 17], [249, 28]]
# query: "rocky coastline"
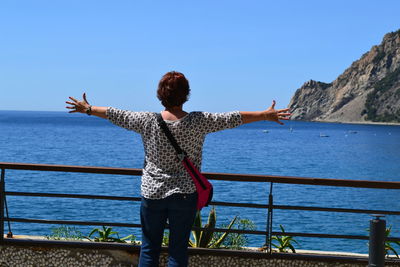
[[367, 92]]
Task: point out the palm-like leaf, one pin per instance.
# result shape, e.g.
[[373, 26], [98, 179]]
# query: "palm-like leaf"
[[209, 231], [207, 238], [127, 237], [107, 231], [106, 235], [218, 243], [93, 231], [284, 242], [278, 247], [191, 244], [388, 230], [291, 248], [388, 244], [388, 248], [196, 233]]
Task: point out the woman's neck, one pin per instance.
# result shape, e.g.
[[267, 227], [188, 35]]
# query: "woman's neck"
[[173, 113]]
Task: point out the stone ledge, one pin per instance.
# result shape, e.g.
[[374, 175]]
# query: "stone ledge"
[[74, 253]]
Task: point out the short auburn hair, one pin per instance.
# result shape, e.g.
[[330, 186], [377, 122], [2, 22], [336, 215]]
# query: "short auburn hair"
[[173, 89]]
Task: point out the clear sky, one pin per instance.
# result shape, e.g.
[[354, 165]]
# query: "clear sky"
[[237, 55]]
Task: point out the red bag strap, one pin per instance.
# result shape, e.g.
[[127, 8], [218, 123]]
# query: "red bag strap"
[[171, 138], [181, 154]]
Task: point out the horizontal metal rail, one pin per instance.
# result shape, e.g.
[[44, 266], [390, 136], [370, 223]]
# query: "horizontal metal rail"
[[217, 203], [319, 235], [286, 207], [98, 223], [211, 176], [81, 196]]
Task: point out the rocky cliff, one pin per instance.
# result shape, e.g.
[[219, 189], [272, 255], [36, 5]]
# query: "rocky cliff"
[[368, 91]]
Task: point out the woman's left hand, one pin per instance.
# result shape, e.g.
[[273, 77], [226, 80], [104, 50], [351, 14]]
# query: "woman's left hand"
[[78, 106], [272, 114]]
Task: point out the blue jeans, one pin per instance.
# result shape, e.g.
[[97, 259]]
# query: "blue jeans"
[[180, 210]]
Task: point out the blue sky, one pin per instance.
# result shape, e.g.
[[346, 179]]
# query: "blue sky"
[[237, 55]]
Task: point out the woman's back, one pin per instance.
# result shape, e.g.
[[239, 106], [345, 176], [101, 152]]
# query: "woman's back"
[[163, 172]]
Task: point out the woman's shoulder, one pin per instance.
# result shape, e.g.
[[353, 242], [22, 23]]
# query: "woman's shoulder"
[[127, 111], [198, 115], [206, 114]]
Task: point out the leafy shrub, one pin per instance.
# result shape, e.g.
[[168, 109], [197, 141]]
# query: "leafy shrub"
[[64, 232], [283, 243], [107, 235], [207, 238], [236, 240], [389, 244], [165, 240]]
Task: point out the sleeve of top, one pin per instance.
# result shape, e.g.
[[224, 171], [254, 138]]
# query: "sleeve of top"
[[214, 122], [130, 120]]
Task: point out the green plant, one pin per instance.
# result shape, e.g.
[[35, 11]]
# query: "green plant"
[[106, 235], [237, 240], [165, 240], [206, 238], [64, 232], [284, 242], [389, 244]]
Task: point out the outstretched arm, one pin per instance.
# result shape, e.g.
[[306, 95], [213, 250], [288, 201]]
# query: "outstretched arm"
[[84, 107], [270, 114]]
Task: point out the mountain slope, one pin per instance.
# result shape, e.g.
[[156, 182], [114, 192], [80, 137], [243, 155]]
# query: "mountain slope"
[[369, 90]]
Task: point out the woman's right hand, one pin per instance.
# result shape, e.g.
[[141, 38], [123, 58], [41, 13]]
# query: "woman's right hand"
[[78, 106], [83, 106]]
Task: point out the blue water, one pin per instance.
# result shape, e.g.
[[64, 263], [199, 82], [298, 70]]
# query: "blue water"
[[372, 153]]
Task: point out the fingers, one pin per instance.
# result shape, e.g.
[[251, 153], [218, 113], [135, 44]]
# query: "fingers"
[[75, 105], [277, 115], [84, 98], [283, 116]]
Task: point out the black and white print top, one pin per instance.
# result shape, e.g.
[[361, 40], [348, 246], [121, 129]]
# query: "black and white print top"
[[163, 173]]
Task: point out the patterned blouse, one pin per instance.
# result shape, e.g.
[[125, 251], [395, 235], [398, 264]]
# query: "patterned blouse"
[[163, 173]]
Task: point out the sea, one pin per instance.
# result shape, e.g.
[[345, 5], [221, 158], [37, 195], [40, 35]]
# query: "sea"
[[302, 149]]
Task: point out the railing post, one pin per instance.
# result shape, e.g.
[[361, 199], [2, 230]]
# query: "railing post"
[[2, 197], [377, 238], [268, 237]]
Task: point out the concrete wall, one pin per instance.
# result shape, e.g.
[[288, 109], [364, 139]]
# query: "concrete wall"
[[15, 255]]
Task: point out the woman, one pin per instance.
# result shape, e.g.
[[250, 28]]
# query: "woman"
[[168, 192]]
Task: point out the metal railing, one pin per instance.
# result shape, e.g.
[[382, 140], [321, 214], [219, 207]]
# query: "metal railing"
[[269, 206]]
